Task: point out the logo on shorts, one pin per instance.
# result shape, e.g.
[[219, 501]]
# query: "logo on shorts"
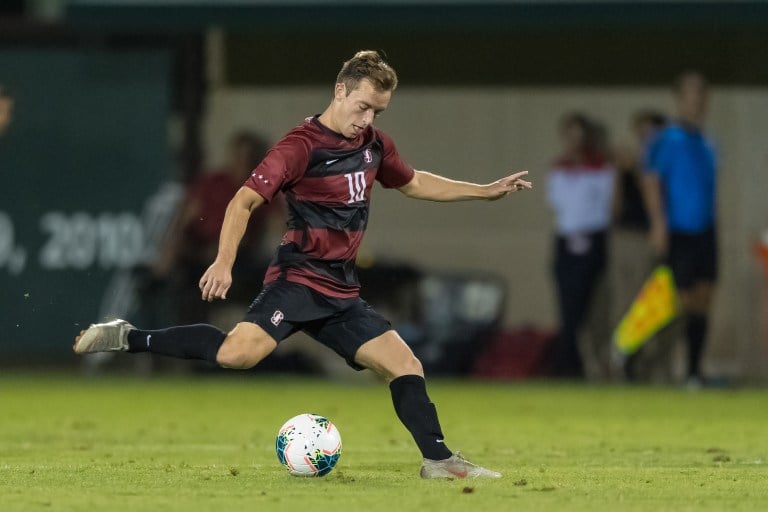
[[367, 156], [277, 317]]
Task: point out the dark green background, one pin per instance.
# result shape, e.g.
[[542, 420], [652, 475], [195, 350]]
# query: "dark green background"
[[89, 134]]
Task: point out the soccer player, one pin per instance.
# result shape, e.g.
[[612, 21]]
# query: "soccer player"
[[325, 167], [680, 186]]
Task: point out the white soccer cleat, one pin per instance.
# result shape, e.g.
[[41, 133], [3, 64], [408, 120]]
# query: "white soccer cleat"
[[107, 337], [455, 466]]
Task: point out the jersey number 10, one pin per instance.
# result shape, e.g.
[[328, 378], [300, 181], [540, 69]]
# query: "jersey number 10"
[[356, 181]]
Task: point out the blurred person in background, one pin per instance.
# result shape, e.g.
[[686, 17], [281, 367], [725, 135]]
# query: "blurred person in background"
[[680, 192], [6, 109], [628, 205], [631, 260], [580, 191], [193, 238]]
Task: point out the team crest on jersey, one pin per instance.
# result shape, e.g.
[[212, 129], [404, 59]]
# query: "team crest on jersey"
[[277, 317], [367, 156]]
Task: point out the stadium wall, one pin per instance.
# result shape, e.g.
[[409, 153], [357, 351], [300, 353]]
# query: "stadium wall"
[[87, 147], [478, 133]]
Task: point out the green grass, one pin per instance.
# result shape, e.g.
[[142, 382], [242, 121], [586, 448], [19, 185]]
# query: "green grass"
[[111, 444]]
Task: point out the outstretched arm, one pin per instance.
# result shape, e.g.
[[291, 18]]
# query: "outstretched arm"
[[218, 278], [432, 187]]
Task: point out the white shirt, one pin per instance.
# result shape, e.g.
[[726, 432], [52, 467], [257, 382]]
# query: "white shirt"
[[581, 197]]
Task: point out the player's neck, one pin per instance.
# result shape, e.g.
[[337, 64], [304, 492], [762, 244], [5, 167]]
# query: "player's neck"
[[327, 119]]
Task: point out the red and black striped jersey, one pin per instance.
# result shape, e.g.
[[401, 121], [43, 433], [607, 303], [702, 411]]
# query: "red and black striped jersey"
[[327, 181]]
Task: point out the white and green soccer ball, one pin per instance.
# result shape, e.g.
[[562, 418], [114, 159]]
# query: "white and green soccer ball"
[[308, 445]]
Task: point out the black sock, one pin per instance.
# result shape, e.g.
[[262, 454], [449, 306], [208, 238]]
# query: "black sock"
[[696, 334], [199, 341], [418, 414]]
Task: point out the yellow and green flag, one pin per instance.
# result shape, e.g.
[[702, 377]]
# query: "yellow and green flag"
[[652, 310]]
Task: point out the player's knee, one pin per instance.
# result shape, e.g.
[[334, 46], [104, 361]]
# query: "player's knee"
[[235, 360], [241, 353], [415, 367], [410, 365], [389, 357], [234, 357]]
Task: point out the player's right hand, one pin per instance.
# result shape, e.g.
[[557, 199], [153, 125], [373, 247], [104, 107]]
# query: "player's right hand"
[[505, 186], [216, 281]]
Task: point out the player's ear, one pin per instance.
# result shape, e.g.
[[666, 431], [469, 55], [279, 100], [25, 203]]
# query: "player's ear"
[[340, 91]]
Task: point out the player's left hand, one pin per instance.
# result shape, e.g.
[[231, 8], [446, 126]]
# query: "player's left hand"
[[504, 186]]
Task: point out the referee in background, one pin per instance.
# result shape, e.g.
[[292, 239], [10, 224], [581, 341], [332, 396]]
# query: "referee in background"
[[680, 186]]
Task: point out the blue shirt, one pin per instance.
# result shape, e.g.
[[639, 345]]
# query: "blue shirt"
[[685, 161]]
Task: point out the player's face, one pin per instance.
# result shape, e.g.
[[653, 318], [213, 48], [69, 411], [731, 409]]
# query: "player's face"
[[356, 110], [692, 99], [6, 107], [572, 137]]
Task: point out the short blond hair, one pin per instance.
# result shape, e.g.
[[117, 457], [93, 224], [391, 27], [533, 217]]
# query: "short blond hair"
[[367, 64]]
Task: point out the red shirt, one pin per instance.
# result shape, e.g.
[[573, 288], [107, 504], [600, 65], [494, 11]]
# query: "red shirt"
[[327, 181], [211, 192]]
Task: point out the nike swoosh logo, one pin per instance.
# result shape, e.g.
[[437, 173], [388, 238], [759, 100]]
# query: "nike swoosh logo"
[[459, 474], [329, 162]]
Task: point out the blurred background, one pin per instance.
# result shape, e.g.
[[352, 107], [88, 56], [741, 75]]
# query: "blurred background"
[[132, 122]]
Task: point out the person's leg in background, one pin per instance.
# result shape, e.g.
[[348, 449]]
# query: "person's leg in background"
[[696, 303], [566, 360], [693, 259], [578, 263], [596, 342], [631, 262], [596, 331]]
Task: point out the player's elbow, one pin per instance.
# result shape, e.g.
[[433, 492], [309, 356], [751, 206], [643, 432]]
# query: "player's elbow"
[[246, 199], [414, 187]]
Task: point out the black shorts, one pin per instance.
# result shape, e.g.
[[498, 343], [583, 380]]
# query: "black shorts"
[[343, 325], [693, 257]]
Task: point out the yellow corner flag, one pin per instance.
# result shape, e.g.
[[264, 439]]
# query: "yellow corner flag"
[[653, 309]]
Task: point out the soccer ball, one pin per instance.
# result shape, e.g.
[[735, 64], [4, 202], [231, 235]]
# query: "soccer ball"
[[308, 445]]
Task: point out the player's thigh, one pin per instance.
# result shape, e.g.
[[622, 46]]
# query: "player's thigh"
[[388, 356], [346, 329], [245, 346]]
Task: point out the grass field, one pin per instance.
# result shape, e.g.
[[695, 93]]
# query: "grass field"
[[111, 444]]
